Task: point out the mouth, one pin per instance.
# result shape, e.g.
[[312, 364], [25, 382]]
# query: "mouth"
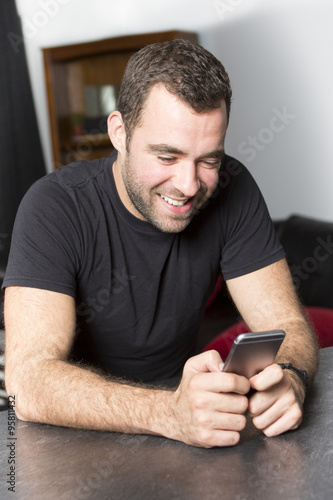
[[178, 208], [173, 202]]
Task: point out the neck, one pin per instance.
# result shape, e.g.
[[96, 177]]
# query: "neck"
[[121, 189]]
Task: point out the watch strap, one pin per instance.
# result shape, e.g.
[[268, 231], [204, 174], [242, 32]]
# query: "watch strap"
[[303, 375]]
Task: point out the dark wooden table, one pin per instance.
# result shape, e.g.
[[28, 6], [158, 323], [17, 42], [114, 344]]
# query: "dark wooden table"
[[58, 463]]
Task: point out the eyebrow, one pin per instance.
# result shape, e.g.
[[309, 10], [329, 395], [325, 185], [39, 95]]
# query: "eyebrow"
[[164, 148], [167, 149]]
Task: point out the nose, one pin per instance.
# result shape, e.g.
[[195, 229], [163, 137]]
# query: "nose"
[[186, 179]]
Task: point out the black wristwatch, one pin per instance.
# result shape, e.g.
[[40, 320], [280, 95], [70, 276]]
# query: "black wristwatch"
[[303, 375]]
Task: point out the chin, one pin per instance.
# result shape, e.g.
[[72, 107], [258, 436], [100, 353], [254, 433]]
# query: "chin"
[[172, 227]]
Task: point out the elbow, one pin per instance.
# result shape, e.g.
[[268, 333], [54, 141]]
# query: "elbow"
[[16, 398]]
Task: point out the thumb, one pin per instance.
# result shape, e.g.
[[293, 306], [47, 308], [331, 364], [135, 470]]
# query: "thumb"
[[208, 361]]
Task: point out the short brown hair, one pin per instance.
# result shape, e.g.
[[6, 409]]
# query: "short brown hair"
[[184, 67]]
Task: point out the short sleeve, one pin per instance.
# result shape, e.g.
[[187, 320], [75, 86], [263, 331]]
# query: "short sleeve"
[[46, 244], [250, 241]]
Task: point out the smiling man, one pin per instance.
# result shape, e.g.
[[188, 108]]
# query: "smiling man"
[[172, 167], [113, 261]]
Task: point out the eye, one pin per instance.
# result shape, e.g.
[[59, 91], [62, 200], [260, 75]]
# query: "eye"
[[166, 159], [212, 163]]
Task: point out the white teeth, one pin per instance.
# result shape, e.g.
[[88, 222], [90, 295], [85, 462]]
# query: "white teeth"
[[173, 202]]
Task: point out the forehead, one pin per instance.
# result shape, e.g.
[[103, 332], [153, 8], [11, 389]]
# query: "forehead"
[[167, 118]]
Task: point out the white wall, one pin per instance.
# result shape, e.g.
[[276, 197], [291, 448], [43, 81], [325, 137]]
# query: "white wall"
[[48, 23], [278, 55]]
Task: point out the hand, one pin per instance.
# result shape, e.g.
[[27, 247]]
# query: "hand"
[[276, 407], [209, 405]]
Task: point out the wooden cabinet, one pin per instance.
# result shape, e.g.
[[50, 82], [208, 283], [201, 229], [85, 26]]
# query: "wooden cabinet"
[[82, 83]]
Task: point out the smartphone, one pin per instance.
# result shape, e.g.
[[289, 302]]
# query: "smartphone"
[[252, 352]]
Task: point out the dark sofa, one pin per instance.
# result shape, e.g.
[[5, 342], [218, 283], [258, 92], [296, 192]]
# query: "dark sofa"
[[309, 248], [2, 275]]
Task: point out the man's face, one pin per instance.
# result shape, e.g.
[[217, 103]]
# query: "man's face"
[[172, 165]]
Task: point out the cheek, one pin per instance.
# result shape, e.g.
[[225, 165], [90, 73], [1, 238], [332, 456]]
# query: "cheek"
[[210, 178], [153, 175], [143, 171]]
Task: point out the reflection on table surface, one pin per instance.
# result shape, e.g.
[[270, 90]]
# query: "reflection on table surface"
[[60, 463]]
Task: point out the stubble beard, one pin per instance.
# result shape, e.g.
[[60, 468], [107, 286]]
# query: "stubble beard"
[[137, 194]]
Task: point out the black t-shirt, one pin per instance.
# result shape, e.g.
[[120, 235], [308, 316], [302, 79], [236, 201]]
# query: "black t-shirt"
[[140, 293]]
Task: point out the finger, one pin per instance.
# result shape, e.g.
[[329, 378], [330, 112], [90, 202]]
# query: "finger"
[[233, 403], [209, 361], [219, 383], [209, 438], [289, 421], [228, 403], [261, 402], [269, 377], [285, 408], [229, 422], [219, 429], [219, 420]]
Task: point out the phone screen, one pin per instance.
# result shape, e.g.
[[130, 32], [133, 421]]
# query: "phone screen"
[[252, 352]]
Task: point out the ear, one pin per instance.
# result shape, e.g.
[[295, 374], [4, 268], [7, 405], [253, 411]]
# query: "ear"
[[116, 131]]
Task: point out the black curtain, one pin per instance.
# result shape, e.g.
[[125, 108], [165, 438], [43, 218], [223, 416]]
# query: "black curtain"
[[21, 158]]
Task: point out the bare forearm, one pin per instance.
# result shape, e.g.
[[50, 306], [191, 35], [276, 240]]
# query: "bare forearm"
[[48, 389], [267, 301], [300, 346], [58, 393]]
